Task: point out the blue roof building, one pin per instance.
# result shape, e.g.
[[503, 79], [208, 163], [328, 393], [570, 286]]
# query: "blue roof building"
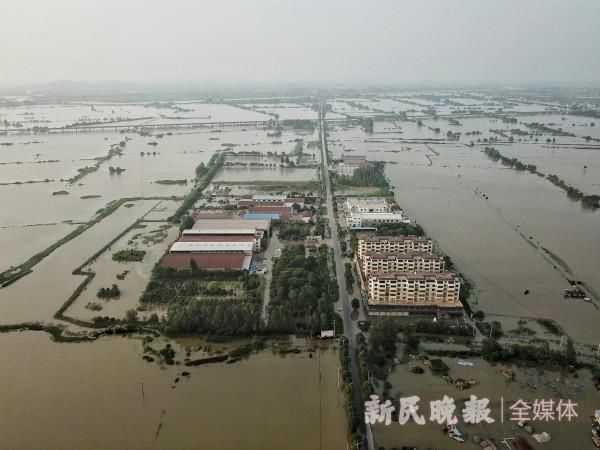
[[262, 216]]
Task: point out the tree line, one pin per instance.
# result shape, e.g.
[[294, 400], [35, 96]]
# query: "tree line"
[[302, 292]]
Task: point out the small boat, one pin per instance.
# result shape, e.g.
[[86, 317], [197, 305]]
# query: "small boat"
[[453, 433]]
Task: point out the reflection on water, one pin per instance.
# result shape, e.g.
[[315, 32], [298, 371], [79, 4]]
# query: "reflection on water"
[[103, 395], [496, 242]]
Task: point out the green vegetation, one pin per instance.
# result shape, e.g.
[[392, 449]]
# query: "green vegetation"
[[302, 292], [54, 331], [294, 231], [86, 197], [590, 201], [494, 328], [200, 301], [541, 355], [128, 255], [207, 173], [513, 163], [232, 317], [352, 413], [439, 367], [373, 175], [60, 193], [299, 124], [108, 293], [23, 269], [168, 285], [187, 222], [399, 229], [362, 355], [550, 326], [131, 316], [116, 170], [298, 149], [115, 150], [349, 277], [382, 346], [367, 124], [169, 182], [540, 127]]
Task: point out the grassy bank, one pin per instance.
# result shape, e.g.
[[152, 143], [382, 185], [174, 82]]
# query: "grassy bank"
[[11, 275]]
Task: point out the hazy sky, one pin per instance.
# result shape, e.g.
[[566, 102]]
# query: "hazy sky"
[[375, 41]]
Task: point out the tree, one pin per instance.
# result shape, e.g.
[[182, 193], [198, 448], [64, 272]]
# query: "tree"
[[491, 350], [355, 303], [194, 267], [478, 315], [187, 222], [115, 291], [131, 316], [570, 353]]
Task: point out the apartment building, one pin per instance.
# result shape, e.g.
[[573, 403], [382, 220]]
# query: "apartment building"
[[393, 244], [385, 263], [414, 294]]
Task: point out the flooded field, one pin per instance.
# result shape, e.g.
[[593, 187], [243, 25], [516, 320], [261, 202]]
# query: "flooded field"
[[266, 174], [37, 296], [529, 384], [81, 392], [123, 114], [508, 231], [154, 238]]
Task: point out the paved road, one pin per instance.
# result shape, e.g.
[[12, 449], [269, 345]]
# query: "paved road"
[[350, 327], [273, 249]]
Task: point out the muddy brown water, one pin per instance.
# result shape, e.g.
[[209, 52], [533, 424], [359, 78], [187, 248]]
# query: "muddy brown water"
[[89, 396]]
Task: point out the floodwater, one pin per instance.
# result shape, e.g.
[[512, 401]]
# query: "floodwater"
[[154, 239], [103, 395], [496, 242], [529, 384], [265, 174], [58, 157], [37, 296]]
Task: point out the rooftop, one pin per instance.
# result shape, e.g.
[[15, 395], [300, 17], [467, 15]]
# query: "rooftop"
[[265, 215], [267, 197], [216, 238], [408, 255], [249, 201], [378, 215], [416, 276], [283, 211], [195, 246], [213, 261], [226, 226], [407, 237]]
